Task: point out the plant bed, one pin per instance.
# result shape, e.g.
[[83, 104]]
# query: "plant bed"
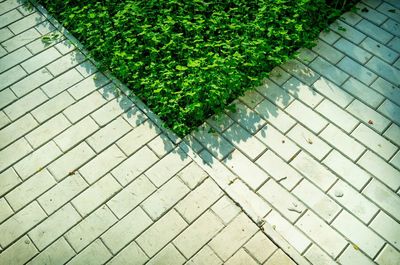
[[188, 59]]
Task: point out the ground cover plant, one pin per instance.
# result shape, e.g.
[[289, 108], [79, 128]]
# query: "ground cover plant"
[[188, 59]]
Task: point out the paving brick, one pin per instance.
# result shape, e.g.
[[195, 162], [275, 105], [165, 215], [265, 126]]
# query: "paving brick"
[[337, 115], [47, 130], [26, 23], [161, 232], [313, 171], [88, 85], [396, 160], [371, 14], [387, 89], [37, 46], [388, 255], [6, 97], [386, 9], [245, 169], [237, 232], [302, 92], [134, 140], [279, 170], [390, 110], [4, 120], [363, 93], [316, 200], [164, 198], [370, 117], [383, 197], [132, 254], [57, 253], [116, 107], [393, 133], [102, 163], [278, 75], [333, 92], [374, 141], [316, 256], [241, 257], [382, 51], [306, 116], [134, 194], [31, 82], [30, 189], [329, 37], [347, 170], [70, 161], [302, 72], [20, 223], [374, 31], [9, 17], [76, 133], [65, 46], [282, 200], [108, 134], [327, 238], [357, 70], [391, 26], [329, 71], [381, 170], [21, 40], [10, 76], [25, 104], [305, 55], [260, 247], [52, 107], [206, 256], [168, 166], [251, 98], [95, 253], [394, 44], [54, 226], [40, 60], [37, 160], [350, 18], [8, 180], [309, 142], [14, 58], [90, 228], [134, 166], [5, 33], [8, 5], [18, 253], [256, 207], [203, 229], [353, 50], [275, 93], [192, 175], [62, 193], [66, 62], [16, 130], [353, 256], [373, 3], [123, 231], [328, 52], [5, 210], [353, 201], [61, 82], [358, 233], [96, 194], [279, 257], [247, 118], [199, 200], [275, 116], [384, 70], [13, 153], [387, 228], [342, 142], [226, 209], [169, 255]]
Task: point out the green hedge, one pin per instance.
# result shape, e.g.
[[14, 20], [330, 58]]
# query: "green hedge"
[[188, 59]]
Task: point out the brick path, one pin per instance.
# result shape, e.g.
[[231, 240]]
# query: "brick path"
[[89, 176]]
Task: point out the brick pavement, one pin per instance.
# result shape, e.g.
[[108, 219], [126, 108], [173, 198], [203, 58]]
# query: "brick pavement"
[[308, 167]]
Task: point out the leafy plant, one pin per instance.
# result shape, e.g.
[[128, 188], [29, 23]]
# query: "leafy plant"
[[188, 59]]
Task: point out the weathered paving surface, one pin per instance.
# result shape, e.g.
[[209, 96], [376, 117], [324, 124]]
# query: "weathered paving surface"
[[88, 175]]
